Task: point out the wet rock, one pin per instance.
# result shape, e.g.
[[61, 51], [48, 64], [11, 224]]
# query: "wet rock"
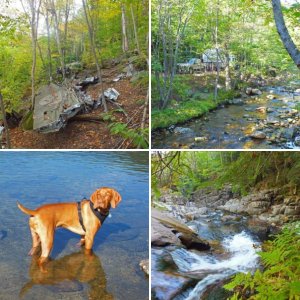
[[162, 236], [200, 139], [236, 101], [271, 97], [272, 121], [258, 135], [193, 242], [164, 226], [270, 109], [182, 130], [297, 141], [144, 264], [261, 109]]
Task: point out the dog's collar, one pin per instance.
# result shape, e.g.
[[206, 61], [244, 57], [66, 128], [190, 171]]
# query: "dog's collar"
[[101, 216]]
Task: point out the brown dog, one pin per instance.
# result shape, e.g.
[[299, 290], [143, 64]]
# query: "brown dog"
[[84, 218]]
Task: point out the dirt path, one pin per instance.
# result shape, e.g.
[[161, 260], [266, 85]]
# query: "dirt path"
[[88, 135]]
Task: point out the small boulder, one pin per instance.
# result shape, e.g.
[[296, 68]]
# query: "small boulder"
[[261, 109], [258, 135], [144, 264]]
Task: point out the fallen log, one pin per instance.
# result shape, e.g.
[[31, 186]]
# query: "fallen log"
[[84, 118]]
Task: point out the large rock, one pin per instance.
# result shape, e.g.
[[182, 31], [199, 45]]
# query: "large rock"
[[252, 92], [167, 230], [162, 236], [212, 198]]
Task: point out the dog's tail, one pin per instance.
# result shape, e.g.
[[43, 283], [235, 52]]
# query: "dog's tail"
[[26, 210]]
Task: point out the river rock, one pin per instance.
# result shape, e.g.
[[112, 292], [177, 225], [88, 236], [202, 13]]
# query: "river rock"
[[144, 264], [162, 236], [261, 109], [258, 135], [212, 198], [271, 97], [167, 230], [250, 91], [292, 211], [236, 101], [193, 242], [173, 198], [182, 130], [200, 139], [270, 109], [297, 141]]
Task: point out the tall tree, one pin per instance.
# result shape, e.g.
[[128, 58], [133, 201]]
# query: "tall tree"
[[284, 33], [34, 14]]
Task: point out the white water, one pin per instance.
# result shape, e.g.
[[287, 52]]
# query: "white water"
[[243, 258]]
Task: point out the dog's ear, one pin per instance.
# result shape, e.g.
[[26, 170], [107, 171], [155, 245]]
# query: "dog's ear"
[[116, 199], [96, 198]]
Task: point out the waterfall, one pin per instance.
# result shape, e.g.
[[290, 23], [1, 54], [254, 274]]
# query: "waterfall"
[[242, 250]]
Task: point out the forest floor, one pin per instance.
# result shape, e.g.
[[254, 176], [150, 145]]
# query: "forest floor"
[[90, 135]]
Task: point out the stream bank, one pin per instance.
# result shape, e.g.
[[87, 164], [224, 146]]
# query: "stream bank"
[[232, 225], [268, 118]]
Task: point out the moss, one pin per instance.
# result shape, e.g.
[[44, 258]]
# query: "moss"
[[187, 110], [27, 121]]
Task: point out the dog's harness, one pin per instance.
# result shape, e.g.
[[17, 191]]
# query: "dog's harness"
[[101, 216]]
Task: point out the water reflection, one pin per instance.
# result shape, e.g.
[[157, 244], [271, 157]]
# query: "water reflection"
[[69, 274]]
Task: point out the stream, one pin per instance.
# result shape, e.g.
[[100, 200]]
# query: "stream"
[[231, 125], [181, 274]]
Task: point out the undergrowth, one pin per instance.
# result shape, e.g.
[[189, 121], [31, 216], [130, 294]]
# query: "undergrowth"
[[138, 136], [187, 110], [280, 278]]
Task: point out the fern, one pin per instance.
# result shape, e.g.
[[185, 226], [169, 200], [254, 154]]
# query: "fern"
[[280, 279], [139, 137]]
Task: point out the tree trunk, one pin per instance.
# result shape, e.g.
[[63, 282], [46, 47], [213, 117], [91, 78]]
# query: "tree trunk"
[[67, 12], [49, 45], [217, 53], [91, 35], [228, 84], [284, 34], [124, 31], [135, 31], [56, 26], [5, 122]]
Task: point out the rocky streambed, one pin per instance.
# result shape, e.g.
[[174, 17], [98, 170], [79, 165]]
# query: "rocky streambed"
[[267, 118], [198, 244]]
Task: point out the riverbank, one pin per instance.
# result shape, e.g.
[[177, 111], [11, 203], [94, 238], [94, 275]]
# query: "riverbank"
[[187, 110]]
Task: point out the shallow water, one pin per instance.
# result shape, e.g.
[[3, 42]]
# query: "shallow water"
[[112, 272], [227, 128], [192, 273]]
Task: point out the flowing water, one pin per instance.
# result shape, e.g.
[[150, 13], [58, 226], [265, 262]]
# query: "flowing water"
[[112, 272], [230, 126], [194, 272]]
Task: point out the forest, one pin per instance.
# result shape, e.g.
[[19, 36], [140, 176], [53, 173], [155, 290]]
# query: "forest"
[[223, 73], [82, 50], [225, 225]]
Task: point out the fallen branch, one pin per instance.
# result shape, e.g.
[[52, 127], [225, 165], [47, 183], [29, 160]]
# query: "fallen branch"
[[84, 118]]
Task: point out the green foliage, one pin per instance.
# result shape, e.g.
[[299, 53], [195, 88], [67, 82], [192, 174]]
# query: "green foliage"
[[187, 110], [268, 169], [281, 274], [138, 137]]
